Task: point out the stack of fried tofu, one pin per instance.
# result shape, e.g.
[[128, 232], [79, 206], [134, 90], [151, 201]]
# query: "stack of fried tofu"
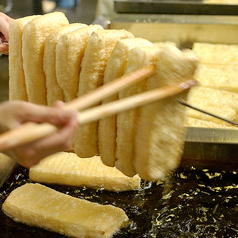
[[52, 60], [218, 89]]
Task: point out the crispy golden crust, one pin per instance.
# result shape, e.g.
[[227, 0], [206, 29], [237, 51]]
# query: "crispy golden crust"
[[54, 91], [97, 53], [115, 68], [69, 54], [127, 121], [216, 53], [34, 35], [17, 86], [38, 205], [160, 131], [68, 169], [194, 122]]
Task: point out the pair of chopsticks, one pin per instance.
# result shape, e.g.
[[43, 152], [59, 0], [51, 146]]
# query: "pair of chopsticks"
[[31, 131]]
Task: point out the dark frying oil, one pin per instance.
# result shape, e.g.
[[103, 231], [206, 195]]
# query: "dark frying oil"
[[188, 203]]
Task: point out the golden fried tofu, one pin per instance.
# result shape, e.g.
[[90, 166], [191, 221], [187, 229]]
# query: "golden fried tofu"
[[38, 205], [97, 53], [115, 68], [33, 42]]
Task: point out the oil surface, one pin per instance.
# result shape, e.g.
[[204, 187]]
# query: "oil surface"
[[188, 203]]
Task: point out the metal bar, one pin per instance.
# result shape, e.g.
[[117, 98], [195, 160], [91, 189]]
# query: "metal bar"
[[175, 7], [208, 113]]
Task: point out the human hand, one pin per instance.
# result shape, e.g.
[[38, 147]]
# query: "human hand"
[[19, 112], [4, 32]]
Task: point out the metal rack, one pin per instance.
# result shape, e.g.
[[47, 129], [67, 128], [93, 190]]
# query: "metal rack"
[[196, 7]]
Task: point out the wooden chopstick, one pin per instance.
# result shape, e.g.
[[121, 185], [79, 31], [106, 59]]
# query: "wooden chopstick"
[[138, 100], [111, 88], [19, 136], [33, 131]]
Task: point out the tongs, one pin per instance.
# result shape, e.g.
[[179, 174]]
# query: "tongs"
[[31, 131]]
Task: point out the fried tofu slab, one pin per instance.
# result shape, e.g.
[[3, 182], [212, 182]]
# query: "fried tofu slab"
[[69, 54], [17, 85], [115, 68], [68, 169], [38, 205], [33, 42], [96, 56], [127, 121], [53, 91], [160, 130], [216, 53]]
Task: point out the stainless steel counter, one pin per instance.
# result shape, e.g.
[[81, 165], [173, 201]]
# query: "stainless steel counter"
[[197, 7], [184, 30]]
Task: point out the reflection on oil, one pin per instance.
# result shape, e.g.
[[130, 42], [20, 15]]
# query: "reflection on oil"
[[188, 203]]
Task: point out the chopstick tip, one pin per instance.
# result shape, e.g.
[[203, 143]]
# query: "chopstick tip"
[[189, 83]]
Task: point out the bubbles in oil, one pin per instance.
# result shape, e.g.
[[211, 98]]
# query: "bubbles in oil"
[[188, 203]]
